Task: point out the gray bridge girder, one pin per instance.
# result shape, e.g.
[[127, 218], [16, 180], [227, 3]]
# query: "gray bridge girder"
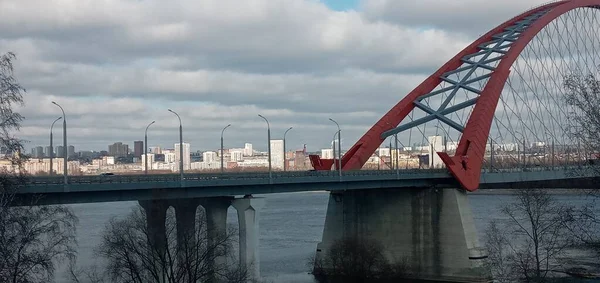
[[142, 187]]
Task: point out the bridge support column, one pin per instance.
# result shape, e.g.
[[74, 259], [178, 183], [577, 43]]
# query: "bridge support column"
[[216, 228], [248, 216], [430, 229], [185, 217], [156, 214]]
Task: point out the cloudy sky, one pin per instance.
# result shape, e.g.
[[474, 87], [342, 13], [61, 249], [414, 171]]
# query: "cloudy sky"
[[115, 66]]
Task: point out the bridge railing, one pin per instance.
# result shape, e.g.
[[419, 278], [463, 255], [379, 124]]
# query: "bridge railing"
[[160, 178]]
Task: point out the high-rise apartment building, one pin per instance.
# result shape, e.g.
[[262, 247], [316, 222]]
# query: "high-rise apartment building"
[[150, 157], [155, 150], [49, 150], [118, 149], [70, 151], [60, 151], [248, 151], [186, 155], [39, 152], [138, 148], [327, 153], [210, 156], [435, 145], [236, 155], [277, 154]]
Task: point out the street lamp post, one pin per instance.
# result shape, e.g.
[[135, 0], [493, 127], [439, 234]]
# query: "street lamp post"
[[491, 155], [65, 168], [339, 147], [284, 152], [222, 131], [391, 161], [146, 148], [268, 144], [51, 146], [180, 145]]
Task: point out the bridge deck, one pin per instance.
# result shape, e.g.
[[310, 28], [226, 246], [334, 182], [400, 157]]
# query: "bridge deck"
[[85, 189]]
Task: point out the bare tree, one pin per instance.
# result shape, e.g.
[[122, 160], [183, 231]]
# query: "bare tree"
[[353, 260], [32, 238], [133, 255], [583, 98], [527, 246]]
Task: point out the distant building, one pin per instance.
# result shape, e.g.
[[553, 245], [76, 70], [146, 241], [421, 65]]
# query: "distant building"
[[186, 156], [70, 151], [39, 152], [436, 144], [209, 156], [138, 148], [118, 149], [60, 151], [248, 151], [49, 150], [236, 155], [327, 153], [277, 154], [150, 160], [155, 150]]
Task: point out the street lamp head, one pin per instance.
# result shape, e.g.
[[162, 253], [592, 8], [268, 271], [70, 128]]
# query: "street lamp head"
[[54, 103], [58, 118], [152, 122]]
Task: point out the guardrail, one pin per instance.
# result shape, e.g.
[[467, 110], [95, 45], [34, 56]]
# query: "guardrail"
[[59, 180], [162, 178]]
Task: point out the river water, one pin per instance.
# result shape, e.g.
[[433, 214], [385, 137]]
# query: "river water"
[[291, 225]]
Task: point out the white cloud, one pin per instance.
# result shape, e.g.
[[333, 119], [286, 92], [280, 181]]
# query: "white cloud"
[[117, 65]]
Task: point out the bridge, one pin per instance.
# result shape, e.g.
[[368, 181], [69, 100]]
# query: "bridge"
[[90, 189], [509, 90]]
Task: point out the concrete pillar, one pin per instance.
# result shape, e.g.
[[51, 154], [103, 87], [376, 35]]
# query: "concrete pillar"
[[216, 226], [431, 229], [185, 216], [248, 210], [156, 214]]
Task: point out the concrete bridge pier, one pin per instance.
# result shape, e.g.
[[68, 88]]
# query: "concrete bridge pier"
[[156, 214], [430, 229], [216, 227], [248, 215]]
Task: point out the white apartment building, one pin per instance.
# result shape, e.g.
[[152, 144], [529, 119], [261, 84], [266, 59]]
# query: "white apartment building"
[[213, 165], [155, 150], [150, 161], [169, 156], [436, 144], [237, 155], [277, 154], [186, 155], [248, 151], [327, 153], [210, 156], [34, 166], [384, 151], [254, 162]]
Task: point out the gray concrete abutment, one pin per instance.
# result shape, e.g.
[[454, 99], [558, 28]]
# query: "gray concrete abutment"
[[216, 225], [431, 230]]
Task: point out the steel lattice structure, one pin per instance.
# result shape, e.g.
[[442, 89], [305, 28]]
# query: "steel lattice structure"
[[506, 85]]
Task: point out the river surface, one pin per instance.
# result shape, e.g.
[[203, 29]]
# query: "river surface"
[[291, 225]]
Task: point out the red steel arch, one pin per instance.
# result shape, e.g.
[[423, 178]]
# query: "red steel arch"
[[467, 162]]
